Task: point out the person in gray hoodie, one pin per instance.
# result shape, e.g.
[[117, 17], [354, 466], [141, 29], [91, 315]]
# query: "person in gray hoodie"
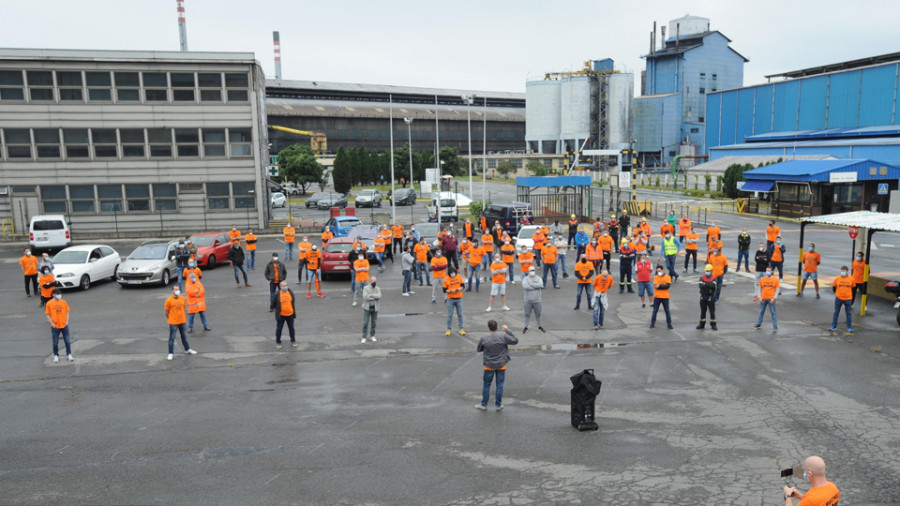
[[371, 294], [533, 287], [495, 347], [556, 229], [408, 262]]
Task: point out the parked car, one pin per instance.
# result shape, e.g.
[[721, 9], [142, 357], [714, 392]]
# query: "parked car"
[[429, 231], [153, 262], [524, 236], [341, 225], [335, 258], [278, 199], [79, 266], [212, 247], [460, 198], [368, 198], [448, 210], [508, 215], [49, 231], [291, 188], [332, 200], [313, 200], [403, 197]]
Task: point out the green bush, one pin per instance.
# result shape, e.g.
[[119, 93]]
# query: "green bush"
[[475, 208], [708, 180]]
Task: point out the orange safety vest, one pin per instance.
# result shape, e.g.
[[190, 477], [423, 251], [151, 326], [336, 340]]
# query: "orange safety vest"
[[593, 253], [196, 296]]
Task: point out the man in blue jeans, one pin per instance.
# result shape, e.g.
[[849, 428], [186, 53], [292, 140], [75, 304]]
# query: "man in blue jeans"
[[495, 347]]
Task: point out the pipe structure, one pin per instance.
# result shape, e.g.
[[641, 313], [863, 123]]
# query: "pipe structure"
[[276, 42], [182, 26]]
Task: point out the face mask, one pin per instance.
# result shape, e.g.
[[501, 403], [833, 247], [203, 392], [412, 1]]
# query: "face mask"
[[57, 297], [761, 248], [716, 253], [708, 273], [768, 273], [234, 228], [284, 289], [532, 274], [605, 234], [373, 285], [778, 243], [668, 236], [843, 273], [28, 253], [659, 273], [811, 248], [859, 257], [274, 259], [413, 229], [438, 253], [804, 476], [177, 293]]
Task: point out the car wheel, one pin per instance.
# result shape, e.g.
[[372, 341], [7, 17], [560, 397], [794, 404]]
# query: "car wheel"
[[115, 273], [85, 282], [211, 263], [165, 278], [379, 203]]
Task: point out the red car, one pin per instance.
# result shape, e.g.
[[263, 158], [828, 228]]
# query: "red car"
[[212, 248], [335, 258]]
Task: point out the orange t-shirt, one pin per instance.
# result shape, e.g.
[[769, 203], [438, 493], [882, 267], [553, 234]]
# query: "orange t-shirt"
[[692, 246], [666, 227], [234, 235], [826, 494], [508, 252], [605, 242], [526, 260], [768, 285], [718, 262], [361, 266], [303, 248], [777, 256], [487, 243], [811, 261], [175, 307], [602, 284], [476, 255], [29, 265], [500, 277], [539, 240], [287, 309], [46, 279], [454, 286], [661, 293], [397, 231], [843, 287], [585, 269], [289, 233], [549, 254], [421, 252], [464, 246], [772, 233], [379, 244], [714, 231], [684, 227], [326, 236], [250, 241], [859, 271], [58, 311], [312, 259], [436, 263]]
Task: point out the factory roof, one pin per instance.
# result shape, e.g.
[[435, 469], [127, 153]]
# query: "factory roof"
[[830, 133], [886, 222], [833, 67], [818, 143], [123, 56], [382, 109], [821, 170], [338, 91], [685, 44], [720, 165]]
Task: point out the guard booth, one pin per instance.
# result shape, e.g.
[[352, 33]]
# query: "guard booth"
[[555, 197]]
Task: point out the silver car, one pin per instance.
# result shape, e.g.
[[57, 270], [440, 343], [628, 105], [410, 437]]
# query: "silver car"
[[153, 262], [368, 198]]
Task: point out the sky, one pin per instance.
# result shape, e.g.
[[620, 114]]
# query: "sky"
[[491, 45]]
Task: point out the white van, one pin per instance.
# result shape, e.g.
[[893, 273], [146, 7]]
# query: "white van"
[[449, 211], [49, 231]]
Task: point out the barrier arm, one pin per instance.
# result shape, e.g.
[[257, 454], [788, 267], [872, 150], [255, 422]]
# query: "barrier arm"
[[800, 256]]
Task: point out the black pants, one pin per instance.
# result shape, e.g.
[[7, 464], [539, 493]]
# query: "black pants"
[[300, 265], [397, 245], [615, 237], [280, 321], [688, 253], [704, 305], [33, 279], [624, 275], [571, 238], [452, 259], [607, 256]]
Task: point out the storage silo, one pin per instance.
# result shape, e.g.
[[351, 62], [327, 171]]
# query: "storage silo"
[[575, 109], [542, 119], [620, 113]]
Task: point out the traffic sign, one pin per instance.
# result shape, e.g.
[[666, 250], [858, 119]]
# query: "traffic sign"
[[882, 188], [624, 179], [853, 231]]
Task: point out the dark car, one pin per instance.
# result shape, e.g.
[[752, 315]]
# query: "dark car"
[[332, 200], [508, 215], [313, 200], [404, 197]]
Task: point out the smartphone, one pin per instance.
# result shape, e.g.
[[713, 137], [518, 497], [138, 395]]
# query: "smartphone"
[[787, 472]]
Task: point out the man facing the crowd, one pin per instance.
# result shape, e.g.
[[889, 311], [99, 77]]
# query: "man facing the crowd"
[[843, 297], [289, 232], [176, 317], [285, 312], [453, 287], [811, 261], [495, 347]]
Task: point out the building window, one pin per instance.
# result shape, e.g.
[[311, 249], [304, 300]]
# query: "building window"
[[239, 138], [40, 85], [76, 142], [713, 89], [82, 197], [160, 142], [714, 77], [70, 86], [18, 142], [105, 142], [12, 86], [847, 193], [128, 86], [156, 87], [164, 197], [132, 142], [210, 87], [187, 141], [99, 86], [214, 143], [234, 83], [700, 119], [217, 195], [183, 85], [671, 153], [138, 197], [702, 91], [702, 75], [492, 164], [46, 141], [243, 199], [110, 198], [695, 130], [53, 199]]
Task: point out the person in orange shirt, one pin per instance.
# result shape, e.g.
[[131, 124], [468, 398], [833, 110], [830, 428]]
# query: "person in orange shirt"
[[594, 253], [684, 228], [661, 284], [811, 261], [487, 244], [475, 255], [453, 286], [606, 246], [422, 251], [772, 234], [289, 232], [397, 236], [175, 315], [29, 264], [469, 229], [314, 271], [858, 270], [498, 282], [250, 241], [508, 254], [57, 311], [666, 227], [776, 256], [713, 231], [584, 272], [526, 260], [439, 266], [361, 267], [303, 248], [690, 248], [549, 255], [769, 286], [195, 295], [47, 282], [645, 227], [327, 235], [483, 224], [720, 267], [387, 235], [714, 244], [379, 250], [602, 283], [539, 239], [823, 492], [285, 312], [234, 234], [843, 297]]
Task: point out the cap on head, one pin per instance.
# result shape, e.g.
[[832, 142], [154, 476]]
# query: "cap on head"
[[708, 267], [573, 216]]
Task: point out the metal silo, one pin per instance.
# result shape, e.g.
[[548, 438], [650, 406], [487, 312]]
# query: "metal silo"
[[542, 99], [575, 108]]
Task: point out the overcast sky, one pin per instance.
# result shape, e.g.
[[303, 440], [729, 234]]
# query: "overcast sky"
[[492, 45]]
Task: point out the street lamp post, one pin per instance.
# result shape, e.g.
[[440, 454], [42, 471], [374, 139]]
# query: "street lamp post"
[[409, 122], [469, 100]]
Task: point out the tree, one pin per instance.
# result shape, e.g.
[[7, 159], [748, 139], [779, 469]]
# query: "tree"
[[505, 167], [708, 179], [298, 163], [733, 174], [453, 164], [536, 168], [341, 174]]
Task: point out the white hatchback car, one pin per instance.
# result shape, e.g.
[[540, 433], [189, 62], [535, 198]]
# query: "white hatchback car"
[[278, 199], [79, 266], [524, 236]]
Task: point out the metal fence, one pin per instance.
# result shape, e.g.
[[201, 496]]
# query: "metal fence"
[[555, 206]]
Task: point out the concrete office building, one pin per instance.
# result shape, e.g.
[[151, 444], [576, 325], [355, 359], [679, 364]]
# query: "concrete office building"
[[126, 142]]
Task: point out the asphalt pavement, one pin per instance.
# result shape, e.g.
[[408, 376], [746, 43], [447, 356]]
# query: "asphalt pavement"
[[686, 416]]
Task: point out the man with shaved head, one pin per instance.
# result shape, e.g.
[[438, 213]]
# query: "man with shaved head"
[[822, 493]]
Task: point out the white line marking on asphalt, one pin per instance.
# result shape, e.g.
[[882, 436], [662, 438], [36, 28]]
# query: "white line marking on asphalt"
[[316, 448], [454, 373]]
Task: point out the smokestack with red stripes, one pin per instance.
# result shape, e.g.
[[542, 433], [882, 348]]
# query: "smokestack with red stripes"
[[276, 41], [182, 27]]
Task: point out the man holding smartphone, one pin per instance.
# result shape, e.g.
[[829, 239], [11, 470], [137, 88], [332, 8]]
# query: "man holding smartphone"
[[822, 493]]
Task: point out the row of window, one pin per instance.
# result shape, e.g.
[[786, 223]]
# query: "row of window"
[[137, 198], [703, 76], [124, 143], [426, 134], [108, 87]]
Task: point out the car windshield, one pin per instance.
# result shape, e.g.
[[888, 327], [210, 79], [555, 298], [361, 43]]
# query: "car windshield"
[[448, 202], [70, 257], [367, 192], [528, 231], [348, 223], [318, 195], [48, 225], [339, 247], [202, 240], [428, 229], [150, 252]]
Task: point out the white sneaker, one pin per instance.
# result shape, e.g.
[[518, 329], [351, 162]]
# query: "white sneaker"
[[354, 303], [505, 308], [55, 359], [70, 357], [406, 294], [170, 357], [363, 340], [488, 310], [191, 352], [411, 292], [373, 339], [512, 282]]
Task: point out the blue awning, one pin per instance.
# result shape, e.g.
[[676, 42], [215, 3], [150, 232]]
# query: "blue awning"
[[757, 186]]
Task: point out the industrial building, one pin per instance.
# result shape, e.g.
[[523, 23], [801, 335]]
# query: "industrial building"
[[670, 116], [358, 115], [122, 142], [585, 109], [844, 110]]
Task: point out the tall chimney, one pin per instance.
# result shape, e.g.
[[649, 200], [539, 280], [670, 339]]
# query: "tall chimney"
[[653, 39], [182, 27], [677, 34], [662, 30], [276, 41]]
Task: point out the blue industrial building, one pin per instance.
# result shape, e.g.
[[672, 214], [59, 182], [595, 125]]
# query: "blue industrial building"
[[670, 114], [846, 110]]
